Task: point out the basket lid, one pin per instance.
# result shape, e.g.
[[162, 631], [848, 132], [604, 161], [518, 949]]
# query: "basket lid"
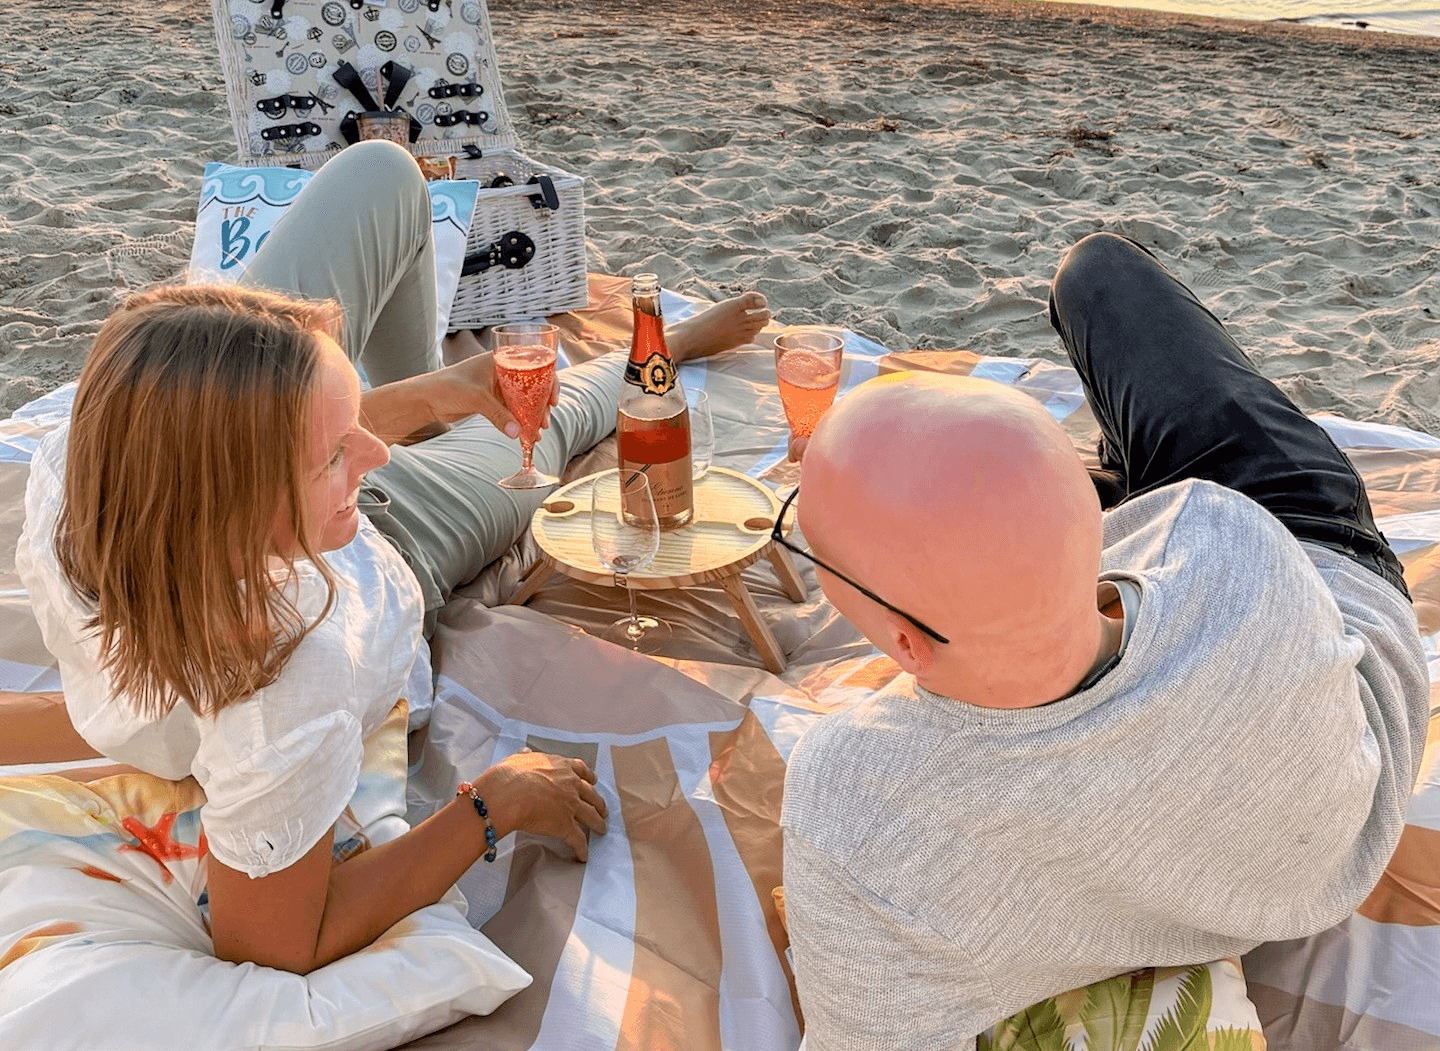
[[299, 72]]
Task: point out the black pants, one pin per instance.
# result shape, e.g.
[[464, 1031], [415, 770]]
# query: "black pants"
[[1177, 398]]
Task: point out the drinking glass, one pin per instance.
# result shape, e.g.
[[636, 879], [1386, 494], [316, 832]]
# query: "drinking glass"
[[390, 125], [524, 374], [625, 542], [807, 371], [702, 433]]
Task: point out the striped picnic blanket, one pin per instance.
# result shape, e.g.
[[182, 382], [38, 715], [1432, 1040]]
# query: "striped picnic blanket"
[[669, 937]]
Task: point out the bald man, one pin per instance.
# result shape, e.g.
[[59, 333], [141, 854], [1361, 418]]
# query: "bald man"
[[1155, 736]]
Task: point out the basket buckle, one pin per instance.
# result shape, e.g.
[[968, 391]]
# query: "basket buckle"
[[512, 251]]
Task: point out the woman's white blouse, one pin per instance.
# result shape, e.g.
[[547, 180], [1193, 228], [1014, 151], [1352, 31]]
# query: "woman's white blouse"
[[279, 767]]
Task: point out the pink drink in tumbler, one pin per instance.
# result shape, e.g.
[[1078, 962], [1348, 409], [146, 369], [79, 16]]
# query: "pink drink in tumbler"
[[807, 371]]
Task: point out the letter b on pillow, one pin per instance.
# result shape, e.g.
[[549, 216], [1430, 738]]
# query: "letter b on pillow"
[[240, 206]]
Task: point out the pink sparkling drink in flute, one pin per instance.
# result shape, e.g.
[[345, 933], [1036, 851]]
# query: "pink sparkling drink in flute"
[[807, 371], [524, 375]]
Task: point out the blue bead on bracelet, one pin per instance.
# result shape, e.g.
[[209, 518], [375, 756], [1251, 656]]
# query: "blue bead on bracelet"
[[467, 789]]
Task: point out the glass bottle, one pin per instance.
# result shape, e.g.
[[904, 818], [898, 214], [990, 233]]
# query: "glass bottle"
[[653, 420]]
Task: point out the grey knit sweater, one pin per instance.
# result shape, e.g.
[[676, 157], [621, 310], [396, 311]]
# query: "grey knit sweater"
[[1240, 776]]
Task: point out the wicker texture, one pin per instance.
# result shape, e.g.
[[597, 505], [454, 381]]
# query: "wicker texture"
[[552, 282]]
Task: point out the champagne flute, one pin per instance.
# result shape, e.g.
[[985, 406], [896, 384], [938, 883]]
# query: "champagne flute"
[[807, 371], [625, 542], [524, 374]]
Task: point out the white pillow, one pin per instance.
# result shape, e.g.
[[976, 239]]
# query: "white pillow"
[[103, 939], [240, 206]]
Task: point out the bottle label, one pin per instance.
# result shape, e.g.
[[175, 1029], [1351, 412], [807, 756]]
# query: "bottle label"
[[659, 448], [655, 376], [670, 488]]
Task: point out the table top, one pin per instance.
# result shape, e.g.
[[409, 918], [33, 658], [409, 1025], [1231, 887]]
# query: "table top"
[[731, 529]]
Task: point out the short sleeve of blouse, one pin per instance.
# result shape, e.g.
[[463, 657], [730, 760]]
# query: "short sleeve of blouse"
[[265, 809]]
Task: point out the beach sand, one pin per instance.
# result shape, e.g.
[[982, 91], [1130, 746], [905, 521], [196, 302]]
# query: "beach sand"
[[912, 171]]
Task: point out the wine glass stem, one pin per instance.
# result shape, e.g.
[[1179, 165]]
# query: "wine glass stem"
[[527, 451], [634, 630]]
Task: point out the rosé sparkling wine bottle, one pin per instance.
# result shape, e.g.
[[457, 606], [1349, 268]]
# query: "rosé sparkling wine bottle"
[[653, 419]]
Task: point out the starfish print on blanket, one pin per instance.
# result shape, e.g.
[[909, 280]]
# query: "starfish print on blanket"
[[94, 873], [158, 843]]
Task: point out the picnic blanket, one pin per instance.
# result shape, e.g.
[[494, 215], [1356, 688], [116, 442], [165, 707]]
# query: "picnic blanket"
[[669, 937]]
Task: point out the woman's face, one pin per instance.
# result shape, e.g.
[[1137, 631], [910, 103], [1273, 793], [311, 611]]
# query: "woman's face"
[[339, 452]]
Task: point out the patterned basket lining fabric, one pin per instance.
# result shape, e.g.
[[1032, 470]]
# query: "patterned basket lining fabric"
[[280, 76]]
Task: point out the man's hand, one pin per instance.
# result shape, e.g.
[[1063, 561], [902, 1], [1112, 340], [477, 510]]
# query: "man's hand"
[[468, 387]]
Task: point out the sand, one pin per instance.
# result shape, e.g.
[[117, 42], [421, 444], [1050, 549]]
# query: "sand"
[[912, 171]]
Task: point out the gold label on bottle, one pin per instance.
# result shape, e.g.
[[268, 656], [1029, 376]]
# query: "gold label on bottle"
[[655, 376]]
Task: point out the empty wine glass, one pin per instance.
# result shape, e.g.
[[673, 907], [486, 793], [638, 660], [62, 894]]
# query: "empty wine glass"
[[625, 542], [524, 374], [702, 433]]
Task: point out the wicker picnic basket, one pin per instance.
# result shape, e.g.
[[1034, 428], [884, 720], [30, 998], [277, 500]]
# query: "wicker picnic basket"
[[302, 74]]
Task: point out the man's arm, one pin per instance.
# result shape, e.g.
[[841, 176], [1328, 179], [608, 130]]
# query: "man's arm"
[[871, 976]]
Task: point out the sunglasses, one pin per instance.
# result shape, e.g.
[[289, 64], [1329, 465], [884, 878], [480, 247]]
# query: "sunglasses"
[[777, 535]]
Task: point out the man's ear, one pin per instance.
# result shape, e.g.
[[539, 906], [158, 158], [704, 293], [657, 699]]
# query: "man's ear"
[[913, 650]]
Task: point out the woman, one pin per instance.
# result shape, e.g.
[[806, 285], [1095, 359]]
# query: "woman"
[[219, 606]]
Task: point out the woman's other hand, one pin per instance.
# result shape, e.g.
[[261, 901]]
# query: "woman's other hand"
[[315, 911], [549, 795]]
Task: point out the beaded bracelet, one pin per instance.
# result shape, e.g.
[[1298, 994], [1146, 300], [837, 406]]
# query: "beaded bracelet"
[[467, 789]]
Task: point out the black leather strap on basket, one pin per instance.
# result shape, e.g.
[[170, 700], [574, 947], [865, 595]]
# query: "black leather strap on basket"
[[348, 77], [442, 90], [473, 152], [547, 197], [460, 116], [276, 107], [396, 77], [512, 251], [286, 132]]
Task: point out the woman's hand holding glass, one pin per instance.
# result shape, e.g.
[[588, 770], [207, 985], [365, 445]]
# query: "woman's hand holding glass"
[[468, 388]]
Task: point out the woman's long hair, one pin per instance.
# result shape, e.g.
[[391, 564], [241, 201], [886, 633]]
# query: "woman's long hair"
[[188, 442]]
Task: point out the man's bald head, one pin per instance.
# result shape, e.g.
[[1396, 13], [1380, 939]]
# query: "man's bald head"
[[963, 503]]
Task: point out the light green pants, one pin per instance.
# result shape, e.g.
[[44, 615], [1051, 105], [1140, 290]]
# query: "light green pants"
[[359, 233]]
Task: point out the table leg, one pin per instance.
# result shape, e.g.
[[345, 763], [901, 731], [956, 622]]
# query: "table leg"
[[530, 583], [769, 650], [790, 581]]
